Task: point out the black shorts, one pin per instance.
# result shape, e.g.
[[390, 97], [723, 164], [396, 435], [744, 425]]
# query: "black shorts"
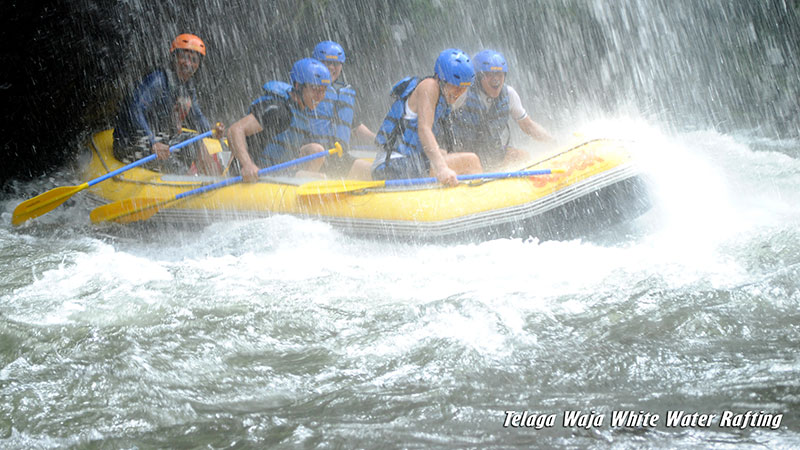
[[491, 157], [402, 168]]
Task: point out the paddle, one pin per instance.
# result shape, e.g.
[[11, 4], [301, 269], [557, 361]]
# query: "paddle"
[[142, 208], [323, 187], [44, 203]]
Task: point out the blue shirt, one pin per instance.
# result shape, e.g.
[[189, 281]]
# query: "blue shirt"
[[148, 109]]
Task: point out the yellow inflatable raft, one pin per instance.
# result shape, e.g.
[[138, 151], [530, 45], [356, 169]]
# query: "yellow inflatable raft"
[[599, 186]]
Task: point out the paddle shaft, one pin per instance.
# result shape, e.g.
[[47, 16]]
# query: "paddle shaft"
[[477, 176], [132, 210], [148, 159], [326, 187], [48, 201], [263, 171]]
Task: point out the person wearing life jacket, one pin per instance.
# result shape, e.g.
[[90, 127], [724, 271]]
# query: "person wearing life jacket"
[[338, 115], [278, 125], [479, 124], [408, 139], [153, 115], [338, 118]]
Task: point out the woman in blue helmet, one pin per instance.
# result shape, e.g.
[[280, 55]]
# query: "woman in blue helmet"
[[478, 124], [278, 125], [338, 115], [409, 135]]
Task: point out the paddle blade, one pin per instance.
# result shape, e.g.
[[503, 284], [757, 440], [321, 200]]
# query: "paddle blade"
[[324, 187], [126, 211], [44, 203]]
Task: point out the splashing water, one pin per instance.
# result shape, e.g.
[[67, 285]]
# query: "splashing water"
[[285, 332]]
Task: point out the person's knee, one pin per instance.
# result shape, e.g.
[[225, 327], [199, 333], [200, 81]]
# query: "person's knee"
[[469, 162], [310, 149], [361, 170], [515, 154]]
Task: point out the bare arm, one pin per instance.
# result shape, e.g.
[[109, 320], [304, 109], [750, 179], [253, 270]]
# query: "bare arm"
[[237, 139], [534, 130], [423, 101], [364, 133], [525, 122]]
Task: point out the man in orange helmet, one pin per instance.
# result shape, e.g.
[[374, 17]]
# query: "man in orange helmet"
[[151, 118]]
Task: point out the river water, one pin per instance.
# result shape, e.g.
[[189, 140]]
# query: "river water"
[[284, 332]]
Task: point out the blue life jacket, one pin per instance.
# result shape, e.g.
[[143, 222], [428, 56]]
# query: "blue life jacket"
[[283, 146], [397, 134], [335, 115], [148, 109], [477, 127]]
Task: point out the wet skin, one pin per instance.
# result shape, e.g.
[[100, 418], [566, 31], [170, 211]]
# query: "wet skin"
[[451, 92], [335, 68], [312, 95], [186, 64], [492, 83]]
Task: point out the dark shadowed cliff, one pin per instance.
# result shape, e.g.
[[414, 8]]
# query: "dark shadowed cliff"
[[719, 64]]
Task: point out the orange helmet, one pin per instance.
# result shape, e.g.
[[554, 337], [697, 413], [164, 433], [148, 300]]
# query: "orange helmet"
[[188, 42]]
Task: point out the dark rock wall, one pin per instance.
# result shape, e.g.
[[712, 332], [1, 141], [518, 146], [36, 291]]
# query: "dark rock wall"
[[717, 63]]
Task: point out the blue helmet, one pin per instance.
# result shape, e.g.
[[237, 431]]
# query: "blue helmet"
[[490, 61], [329, 51], [310, 71], [454, 67]]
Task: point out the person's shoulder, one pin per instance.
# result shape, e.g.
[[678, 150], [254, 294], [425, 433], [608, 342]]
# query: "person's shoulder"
[[279, 88], [428, 86], [159, 74], [267, 101], [156, 78], [513, 95], [428, 82]]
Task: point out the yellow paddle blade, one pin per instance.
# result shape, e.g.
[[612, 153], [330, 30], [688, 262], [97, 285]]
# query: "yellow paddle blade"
[[324, 187], [44, 203], [126, 211]]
